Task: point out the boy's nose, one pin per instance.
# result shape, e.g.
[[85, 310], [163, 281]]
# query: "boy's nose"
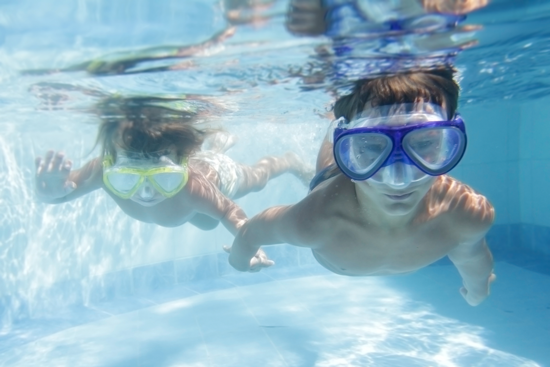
[[397, 175]]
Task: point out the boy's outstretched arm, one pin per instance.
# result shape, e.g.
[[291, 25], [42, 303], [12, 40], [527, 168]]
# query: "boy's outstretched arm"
[[263, 229], [472, 216], [56, 183], [292, 224], [474, 262]]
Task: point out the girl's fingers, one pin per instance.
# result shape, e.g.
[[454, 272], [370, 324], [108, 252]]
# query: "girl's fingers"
[[48, 160], [39, 162], [67, 165], [57, 163]]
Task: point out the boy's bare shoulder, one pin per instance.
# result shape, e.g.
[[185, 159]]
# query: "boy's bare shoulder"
[[333, 199], [315, 215], [465, 207]]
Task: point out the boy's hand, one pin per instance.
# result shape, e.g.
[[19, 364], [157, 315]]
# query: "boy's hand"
[[475, 295], [52, 176], [258, 262]]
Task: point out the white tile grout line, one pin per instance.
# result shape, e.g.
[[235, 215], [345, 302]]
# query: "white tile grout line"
[[264, 332], [203, 342]]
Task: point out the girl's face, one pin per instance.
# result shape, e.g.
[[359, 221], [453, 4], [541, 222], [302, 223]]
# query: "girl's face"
[[147, 195]]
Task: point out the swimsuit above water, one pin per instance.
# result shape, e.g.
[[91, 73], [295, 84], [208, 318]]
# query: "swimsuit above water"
[[229, 172]]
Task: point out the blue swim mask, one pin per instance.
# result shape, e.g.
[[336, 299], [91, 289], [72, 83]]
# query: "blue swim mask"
[[398, 145], [371, 17]]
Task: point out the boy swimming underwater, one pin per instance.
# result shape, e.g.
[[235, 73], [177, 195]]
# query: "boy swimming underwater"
[[152, 166], [387, 206]]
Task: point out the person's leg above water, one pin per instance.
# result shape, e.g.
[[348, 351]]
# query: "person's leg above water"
[[255, 178]]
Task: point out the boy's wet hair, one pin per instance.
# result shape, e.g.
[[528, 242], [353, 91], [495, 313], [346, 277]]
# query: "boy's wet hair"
[[148, 126], [436, 86]]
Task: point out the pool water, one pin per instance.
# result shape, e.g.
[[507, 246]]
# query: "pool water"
[[312, 318], [82, 284]]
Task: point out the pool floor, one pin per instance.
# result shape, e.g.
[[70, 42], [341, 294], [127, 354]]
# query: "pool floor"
[[272, 319]]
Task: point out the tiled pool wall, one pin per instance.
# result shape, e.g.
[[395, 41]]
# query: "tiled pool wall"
[[508, 160], [88, 251]]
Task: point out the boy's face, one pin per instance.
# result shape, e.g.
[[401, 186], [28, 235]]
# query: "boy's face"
[[398, 188], [392, 201]]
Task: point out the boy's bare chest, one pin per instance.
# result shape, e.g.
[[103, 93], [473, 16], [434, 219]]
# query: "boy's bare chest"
[[361, 250]]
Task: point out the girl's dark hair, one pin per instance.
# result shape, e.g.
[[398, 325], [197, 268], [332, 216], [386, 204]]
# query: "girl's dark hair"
[[148, 125], [436, 86]]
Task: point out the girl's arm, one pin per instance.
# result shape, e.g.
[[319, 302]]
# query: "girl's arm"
[[56, 183]]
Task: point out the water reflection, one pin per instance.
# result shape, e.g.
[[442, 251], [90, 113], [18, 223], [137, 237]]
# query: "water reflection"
[[375, 37]]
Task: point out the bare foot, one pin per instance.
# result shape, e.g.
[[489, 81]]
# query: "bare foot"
[[299, 168]]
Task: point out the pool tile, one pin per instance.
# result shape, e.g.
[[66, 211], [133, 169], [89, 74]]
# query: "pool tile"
[[514, 202], [13, 309], [541, 239], [154, 277], [305, 257], [283, 255], [326, 320], [514, 130], [282, 273], [498, 237], [245, 348], [487, 142], [209, 285], [246, 279], [282, 314], [110, 286], [526, 235], [189, 350], [538, 142], [528, 115], [297, 345], [171, 294], [224, 267], [122, 305], [196, 268], [515, 239], [540, 192], [216, 322], [491, 180], [526, 191]]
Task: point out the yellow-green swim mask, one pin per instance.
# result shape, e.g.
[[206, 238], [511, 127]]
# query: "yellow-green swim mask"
[[125, 177]]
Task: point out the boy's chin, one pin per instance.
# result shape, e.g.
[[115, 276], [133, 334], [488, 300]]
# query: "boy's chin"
[[398, 209]]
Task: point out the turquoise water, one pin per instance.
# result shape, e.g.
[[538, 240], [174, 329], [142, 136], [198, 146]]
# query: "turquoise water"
[[81, 284]]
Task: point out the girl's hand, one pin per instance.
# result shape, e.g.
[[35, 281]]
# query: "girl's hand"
[[52, 176]]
